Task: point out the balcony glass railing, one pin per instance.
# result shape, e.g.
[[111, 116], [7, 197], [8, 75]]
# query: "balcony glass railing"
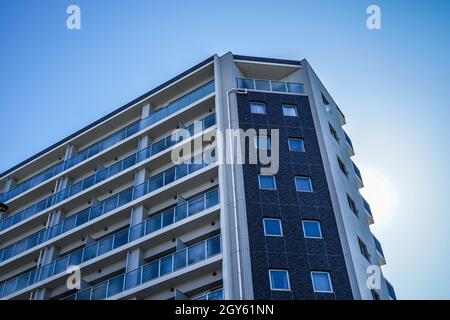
[[367, 207], [104, 174], [105, 206], [349, 141], [111, 140], [173, 262], [215, 295], [391, 290], [357, 171], [378, 246], [270, 85], [118, 239]]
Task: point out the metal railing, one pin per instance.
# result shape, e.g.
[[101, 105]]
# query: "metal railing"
[[357, 171], [173, 262], [349, 141], [270, 85], [378, 246], [157, 222], [160, 180], [104, 174], [367, 207], [111, 140], [391, 290], [214, 295]]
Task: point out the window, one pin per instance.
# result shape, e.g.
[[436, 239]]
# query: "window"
[[263, 142], [324, 99], [352, 205], [296, 145], [311, 229], [303, 184], [289, 110], [272, 227], [333, 132], [321, 281], [258, 107], [375, 294], [267, 182], [279, 280], [363, 249], [342, 166]]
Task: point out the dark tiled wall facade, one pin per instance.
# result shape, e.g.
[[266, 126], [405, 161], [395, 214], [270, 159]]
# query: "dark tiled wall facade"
[[293, 252]]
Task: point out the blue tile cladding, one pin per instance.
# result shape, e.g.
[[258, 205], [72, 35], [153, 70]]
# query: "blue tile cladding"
[[292, 252]]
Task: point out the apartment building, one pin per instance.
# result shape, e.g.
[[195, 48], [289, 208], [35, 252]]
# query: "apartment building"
[[107, 213]]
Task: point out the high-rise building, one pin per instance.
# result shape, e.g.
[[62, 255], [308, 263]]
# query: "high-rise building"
[[110, 213]]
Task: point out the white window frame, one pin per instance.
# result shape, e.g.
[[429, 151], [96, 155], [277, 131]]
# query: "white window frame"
[[329, 281], [267, 175], [258, 103], [297, 139], [287, 276], [310, 183], [289, 106], [273, 235], [310, 237]]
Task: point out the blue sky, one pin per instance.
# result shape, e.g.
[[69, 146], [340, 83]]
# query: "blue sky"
[[390, 83]]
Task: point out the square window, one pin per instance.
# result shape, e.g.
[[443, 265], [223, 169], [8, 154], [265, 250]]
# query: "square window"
[[303, 184], [290, 110], [324, 100], [263, 142], [272, 227], [258, 107], [321, 281], [267, 182], [311, 229], [279, 280], [296, 145]]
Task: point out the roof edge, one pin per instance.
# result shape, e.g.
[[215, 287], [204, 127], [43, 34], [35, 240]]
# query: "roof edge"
[[106, 117], [268, 60]]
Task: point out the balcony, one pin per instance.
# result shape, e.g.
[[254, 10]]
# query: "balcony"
[[148, 273], [215, 295], [110, 204], [104, 174], [358, 176], [391, 290], [157, 222], [270, 86], [341, 117], [380, 254], [368, 212], [110, 141], [351, 151]]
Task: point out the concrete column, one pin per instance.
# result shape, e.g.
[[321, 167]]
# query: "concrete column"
[[134, 257], [147, 110], [237, 273], [49, 254], [9, 184], [71, 150]]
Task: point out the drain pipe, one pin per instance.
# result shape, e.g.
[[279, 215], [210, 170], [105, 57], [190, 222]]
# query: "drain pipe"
[[233, 188]]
